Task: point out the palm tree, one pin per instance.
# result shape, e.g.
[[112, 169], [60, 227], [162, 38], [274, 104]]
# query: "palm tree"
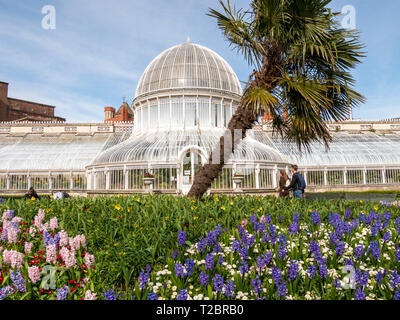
[[302, 60]]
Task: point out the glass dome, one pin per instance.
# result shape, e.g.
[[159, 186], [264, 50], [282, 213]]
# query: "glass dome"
[[188, 65]]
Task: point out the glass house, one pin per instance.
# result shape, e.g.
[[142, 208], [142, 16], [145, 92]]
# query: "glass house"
[[184, 101]]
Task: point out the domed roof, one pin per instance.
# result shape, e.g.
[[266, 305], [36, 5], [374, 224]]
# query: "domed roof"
[[187, 66]]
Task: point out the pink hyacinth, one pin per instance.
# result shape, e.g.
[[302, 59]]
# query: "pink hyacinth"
[[34, 274], [53, 223], [263, 219], [89, 260], [39, 219], [7, 256], [51, 254], [68, 257], [28, 247], [75, 242], [12, 235], [17, 219], [1, 248], [32, 231], [90, 296], [63, 238], [13, 258], [6, 215], [244, 223], [83, 240]]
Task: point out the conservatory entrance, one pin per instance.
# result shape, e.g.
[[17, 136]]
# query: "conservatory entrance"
[[191, 164]]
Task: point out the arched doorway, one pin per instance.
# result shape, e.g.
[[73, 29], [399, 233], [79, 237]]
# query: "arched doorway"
[[192, 160]]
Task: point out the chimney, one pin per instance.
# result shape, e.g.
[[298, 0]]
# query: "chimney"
[[3, 101], [108, 113]]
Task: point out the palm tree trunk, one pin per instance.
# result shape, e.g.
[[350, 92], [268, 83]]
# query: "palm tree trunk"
[[243, 120]]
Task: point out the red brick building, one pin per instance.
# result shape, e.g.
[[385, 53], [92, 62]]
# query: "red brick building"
[[12, 109], [124, 114]]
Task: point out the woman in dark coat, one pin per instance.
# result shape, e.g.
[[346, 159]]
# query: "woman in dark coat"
[[31, 193], [282, 184]]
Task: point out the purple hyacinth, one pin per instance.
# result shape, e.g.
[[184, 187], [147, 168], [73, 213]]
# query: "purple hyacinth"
[[394, 279], [209, 264], [358, 252], [181, 238], [253, 219], [244, 252], [257, 285], [183, 294], [174, 254], [397, 254], [281, 287], [347, 214], [218, 283], [337, 284], [396, 295], [179, 271], [229, 289], [201, 244], [143, 279], [204, 278], [62, 293], [5, 292], [340, 248], [276, 274], [379, 277], [355, 223], [315, 218], [282, 252], [189, 267], [18, 281], [236, 246], [293, 270], [264, 260], [323, 271], [311, 270], [293, 228], [152, 296], [362, 278], [387, 236], [244, 267], [360, 294], [375, 250]]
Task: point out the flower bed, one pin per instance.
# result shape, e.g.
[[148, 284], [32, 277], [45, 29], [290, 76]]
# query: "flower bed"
[[39, 261], [299, 260]]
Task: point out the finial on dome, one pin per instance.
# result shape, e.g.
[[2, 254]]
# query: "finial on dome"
[[188, 39]]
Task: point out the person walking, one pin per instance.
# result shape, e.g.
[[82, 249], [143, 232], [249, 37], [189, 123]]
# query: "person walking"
[[284, 181], [31, 194], [297, 184]]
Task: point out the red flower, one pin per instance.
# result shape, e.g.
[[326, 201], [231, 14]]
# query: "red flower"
[[72, 290], [186, 224]]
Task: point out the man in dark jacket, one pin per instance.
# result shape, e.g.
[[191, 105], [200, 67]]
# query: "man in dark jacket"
[[295, 184]]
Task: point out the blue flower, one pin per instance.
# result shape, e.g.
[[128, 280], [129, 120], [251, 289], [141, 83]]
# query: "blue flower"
[[337, 284], [236, 246], [256, 284], [229, 289], [340, 248], [253, 219], [201, 244], [347, 214], [244, 267], [387, 236], [179, 271], [379, 277], [209, 261], [293, 271], [183, 294], [18, 281], [282, 252], [204, 278], [281, 289], [174, 254], [152, 296], [358, 252], [375, 250], [189, 267], [181, 238], [218, 283], [5, 292], [311, 271], [396, 295], [110, 295], [143, 279], [315, 218], [360, 294]]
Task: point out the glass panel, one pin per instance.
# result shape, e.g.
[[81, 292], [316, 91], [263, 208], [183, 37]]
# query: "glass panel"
[[190, 112], [315, 178], [204, 112], [61, 182]]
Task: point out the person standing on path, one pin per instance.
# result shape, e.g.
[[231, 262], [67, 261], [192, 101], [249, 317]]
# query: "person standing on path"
[[297, 184], [284, 181]]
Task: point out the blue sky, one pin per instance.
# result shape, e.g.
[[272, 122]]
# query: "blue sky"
[[99, 49]]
